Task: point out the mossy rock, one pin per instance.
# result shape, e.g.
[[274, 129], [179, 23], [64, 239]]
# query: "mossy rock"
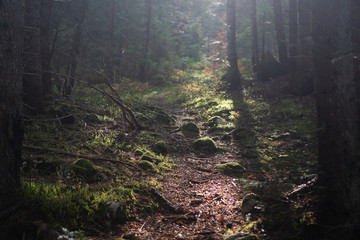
[[84, 170], [244, 136], [160, 148], [92, 118], [206, 145], [249, 202], [163, 117], [233, 169], [190, 130], [147, 166], [151, 157], [215, 121]]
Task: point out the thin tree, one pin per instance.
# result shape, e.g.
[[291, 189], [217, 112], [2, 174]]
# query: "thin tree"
[[45, 33], [75, 50], [280, 32], [293, 28], [255, 38], [336, 82], [11, 71], [233, 76], [109, 47], [145, 59], [32, 82]]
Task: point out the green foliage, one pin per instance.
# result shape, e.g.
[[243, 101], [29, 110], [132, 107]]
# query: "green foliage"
[[73, 207], [148, 166]]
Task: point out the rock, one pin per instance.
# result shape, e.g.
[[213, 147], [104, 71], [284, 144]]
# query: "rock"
[[190, 130], [160, 148], [163, 117], [233, 169], [249, 202], [117, 212], [214, 121], [84, 170], [92, 118], [147, 165], [151, 157], [206, 145]]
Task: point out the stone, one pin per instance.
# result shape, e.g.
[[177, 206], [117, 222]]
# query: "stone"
[[160, 148], [233, 169], [205, 145], [190, 129], [147, 166], [249, 202]]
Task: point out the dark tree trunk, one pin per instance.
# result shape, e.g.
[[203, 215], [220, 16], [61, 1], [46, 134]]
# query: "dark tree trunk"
[[338, 116], [75, 51], [232, 76], [32, 82], [293, 27], [280, 33], [144, 62], [109, 71], [303, 82], [45, 32], [11, 70], [255, 38]]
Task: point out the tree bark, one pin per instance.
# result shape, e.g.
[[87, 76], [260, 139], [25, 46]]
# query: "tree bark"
[[11, 70], [45, 32], [109, 71], [255, 38], [280, 32], [293, 27], [338, 116], [75, 51], [302, 80], [144, 62], [32, 82], [233, 76]]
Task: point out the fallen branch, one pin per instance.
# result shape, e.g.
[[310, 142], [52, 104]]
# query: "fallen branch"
[[92, 158], [125, 110]]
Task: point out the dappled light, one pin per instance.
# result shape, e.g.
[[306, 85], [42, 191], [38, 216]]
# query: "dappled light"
[[196, 119]]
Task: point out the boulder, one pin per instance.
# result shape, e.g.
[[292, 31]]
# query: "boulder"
[[205, 145], [233, 169], [147, 165], [190, 130], [160, 148], [249, 202]]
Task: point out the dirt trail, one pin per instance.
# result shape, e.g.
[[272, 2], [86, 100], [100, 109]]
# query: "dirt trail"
[[199, 202]]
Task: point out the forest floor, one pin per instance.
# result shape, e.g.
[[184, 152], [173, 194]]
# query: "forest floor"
[[257, 184]]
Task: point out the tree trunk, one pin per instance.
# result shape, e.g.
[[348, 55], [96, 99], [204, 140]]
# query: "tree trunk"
[[109, 71], [338, 115], [75, 51], [232, 77], [255, 38], [11, 70], [32, 82], [293, 27], [45, 32], [302, 81], [144, 62], [280, 33]]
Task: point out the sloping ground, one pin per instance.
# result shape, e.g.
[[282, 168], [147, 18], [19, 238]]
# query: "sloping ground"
[[88, 163]]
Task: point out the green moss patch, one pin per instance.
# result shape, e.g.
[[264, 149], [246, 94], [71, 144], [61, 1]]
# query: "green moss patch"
[[147, 166], [233, 169], [205, 145], [160, 148], [190, 130]]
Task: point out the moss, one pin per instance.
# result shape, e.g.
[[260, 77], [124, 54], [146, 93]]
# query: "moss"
[[215, 121], [234, 169], [245, 136], [147, 166], [84, 170], [190, 130], [163, 117], [160, 148], [206, 145]]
